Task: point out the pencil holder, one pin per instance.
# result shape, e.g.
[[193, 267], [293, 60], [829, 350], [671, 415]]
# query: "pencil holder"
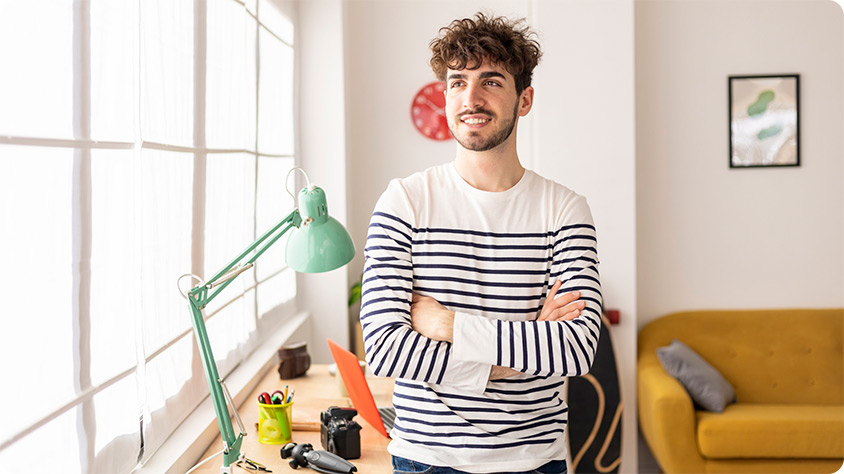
[[274, 423]]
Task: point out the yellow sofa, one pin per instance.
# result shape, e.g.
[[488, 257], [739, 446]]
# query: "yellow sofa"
[[787, 367]]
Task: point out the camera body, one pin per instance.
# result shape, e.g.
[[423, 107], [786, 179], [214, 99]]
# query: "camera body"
[[339, 433]]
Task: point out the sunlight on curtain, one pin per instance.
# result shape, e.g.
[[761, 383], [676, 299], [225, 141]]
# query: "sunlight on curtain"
[[228, 331], [165, 230], [273, 204], [166, 209], [275, 86], [229, 218], [64, 455], [167, 51], [117, 435], [115, 301], [115, 309], [175, 384], [37, 284], [36, 83], [230, 77], [114, 82], [229, 228]]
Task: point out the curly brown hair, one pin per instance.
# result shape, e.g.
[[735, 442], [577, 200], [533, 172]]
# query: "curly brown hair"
[[467, 43]]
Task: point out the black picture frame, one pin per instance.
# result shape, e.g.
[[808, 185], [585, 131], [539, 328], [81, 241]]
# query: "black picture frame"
[[764, 120]]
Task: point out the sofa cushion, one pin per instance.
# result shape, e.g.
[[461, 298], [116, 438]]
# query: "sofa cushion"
[[746, 430], [707, 387]]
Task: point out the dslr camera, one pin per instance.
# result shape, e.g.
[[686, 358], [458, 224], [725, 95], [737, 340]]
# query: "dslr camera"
[[339, 433]]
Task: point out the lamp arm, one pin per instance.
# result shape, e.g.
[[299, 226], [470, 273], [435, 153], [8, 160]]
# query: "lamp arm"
[[199, 299], [199, 295]]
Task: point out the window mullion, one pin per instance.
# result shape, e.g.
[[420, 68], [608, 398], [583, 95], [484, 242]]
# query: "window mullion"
[[200, 155], [137, 213], [82, 228], [199, 162], [255, 314]]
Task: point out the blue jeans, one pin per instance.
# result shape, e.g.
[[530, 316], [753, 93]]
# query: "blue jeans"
[[406, 466]]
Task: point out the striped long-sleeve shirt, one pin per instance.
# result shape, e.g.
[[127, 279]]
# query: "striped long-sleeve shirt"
[[491, 257]]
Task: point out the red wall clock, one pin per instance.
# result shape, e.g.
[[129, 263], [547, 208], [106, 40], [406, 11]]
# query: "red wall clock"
[[428, 112]]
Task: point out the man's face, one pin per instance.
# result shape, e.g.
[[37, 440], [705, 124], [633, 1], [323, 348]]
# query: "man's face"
[[482, 106]]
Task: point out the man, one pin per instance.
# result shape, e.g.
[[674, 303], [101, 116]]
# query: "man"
[[463, 262]]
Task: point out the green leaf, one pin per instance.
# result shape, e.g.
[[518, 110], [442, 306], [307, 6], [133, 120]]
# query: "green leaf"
[[354, 293]]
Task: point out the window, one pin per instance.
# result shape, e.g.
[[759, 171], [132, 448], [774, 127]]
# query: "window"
[[139, 140]]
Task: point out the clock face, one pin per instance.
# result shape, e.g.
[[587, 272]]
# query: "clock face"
[[428, 112]]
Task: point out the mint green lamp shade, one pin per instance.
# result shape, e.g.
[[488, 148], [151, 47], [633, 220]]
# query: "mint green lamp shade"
[[321, 243]]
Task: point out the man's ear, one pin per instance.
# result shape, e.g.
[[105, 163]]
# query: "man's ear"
[[525, 101]]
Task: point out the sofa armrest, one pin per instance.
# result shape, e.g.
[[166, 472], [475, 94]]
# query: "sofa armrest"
[[667, 419]]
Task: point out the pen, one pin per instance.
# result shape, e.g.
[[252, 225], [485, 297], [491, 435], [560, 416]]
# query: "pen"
[[285, 393], [290, 398]]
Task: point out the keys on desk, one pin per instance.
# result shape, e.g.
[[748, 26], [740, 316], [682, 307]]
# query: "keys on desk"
[[250, 465]]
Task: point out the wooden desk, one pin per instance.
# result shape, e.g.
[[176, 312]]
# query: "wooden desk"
[[315, 391]]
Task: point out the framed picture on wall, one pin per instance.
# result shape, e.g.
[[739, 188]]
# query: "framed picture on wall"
[[764, 120]]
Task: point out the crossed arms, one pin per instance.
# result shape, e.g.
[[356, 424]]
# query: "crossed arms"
[[433, 320], [423, 341]]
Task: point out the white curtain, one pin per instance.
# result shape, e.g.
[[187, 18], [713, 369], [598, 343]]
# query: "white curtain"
[[138, 142]]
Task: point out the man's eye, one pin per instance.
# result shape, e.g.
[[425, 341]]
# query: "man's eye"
[[456, 84], [492, 83]]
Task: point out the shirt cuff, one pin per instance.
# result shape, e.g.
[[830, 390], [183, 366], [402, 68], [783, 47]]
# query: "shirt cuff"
[[474, 339], [469, 377]]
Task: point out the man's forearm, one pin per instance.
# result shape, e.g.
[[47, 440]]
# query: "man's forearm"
[[499, 372]]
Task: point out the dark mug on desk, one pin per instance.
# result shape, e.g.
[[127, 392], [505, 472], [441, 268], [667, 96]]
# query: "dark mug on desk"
[[294, 360]]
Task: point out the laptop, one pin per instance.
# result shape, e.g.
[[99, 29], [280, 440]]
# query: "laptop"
[[349, 367]]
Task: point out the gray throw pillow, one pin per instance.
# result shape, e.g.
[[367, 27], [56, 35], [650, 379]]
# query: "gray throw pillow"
[[707, 387]]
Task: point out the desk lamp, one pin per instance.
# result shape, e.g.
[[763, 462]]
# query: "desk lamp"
[[319, 243]]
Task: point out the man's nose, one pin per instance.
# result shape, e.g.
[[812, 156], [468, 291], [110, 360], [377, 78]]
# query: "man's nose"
[[473, 97]]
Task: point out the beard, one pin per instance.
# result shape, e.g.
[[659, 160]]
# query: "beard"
[[474, 141]]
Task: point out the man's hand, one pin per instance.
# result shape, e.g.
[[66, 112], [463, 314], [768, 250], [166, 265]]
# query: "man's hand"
[[564, 308], [431, 319], [499, 372]]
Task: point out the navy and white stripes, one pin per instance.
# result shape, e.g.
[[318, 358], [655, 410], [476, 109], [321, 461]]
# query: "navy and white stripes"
[[490, 258]]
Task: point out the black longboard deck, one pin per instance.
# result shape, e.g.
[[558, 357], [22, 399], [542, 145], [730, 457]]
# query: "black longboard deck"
[[595, 411]]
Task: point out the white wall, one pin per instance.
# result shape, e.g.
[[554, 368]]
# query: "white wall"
[[584, 137], [321, 151], [712, 237]]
